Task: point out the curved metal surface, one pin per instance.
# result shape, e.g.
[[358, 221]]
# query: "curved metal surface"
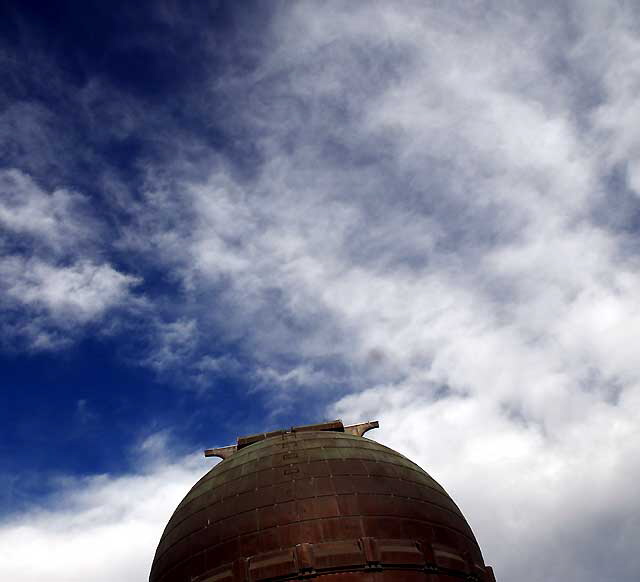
[[317, 505]]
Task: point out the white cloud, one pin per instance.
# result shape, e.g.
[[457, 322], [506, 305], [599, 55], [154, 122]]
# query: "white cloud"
[[566, 496], [51, 270], [82, 292], [59, 219], [614, 25], [100, 528], [174, 342]]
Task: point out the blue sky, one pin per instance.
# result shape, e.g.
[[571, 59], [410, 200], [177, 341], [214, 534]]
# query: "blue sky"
[[218, 218], [76, 392]]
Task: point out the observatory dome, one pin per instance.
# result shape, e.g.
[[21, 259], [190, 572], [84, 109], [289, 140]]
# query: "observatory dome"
[[317, 503]]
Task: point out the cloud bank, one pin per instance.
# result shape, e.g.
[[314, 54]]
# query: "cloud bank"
[[103, 528]]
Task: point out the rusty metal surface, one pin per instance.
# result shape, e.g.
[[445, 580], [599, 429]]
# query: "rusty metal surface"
[[222, 452], [322, 505], [333, 425], [362, 428]]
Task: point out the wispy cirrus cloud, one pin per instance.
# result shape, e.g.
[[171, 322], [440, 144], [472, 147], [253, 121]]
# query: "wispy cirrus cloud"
[[53, 278]]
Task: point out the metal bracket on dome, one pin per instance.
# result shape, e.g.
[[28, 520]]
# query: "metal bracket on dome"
[[222, 452], [360, 429], [332, 426]]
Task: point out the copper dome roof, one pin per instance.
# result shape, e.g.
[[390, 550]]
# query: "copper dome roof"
[[317, 503]]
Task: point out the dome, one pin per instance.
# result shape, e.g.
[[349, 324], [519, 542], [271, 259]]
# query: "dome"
[[321, 504]]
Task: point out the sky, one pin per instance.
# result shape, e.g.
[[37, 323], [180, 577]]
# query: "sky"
[[221, 218]]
